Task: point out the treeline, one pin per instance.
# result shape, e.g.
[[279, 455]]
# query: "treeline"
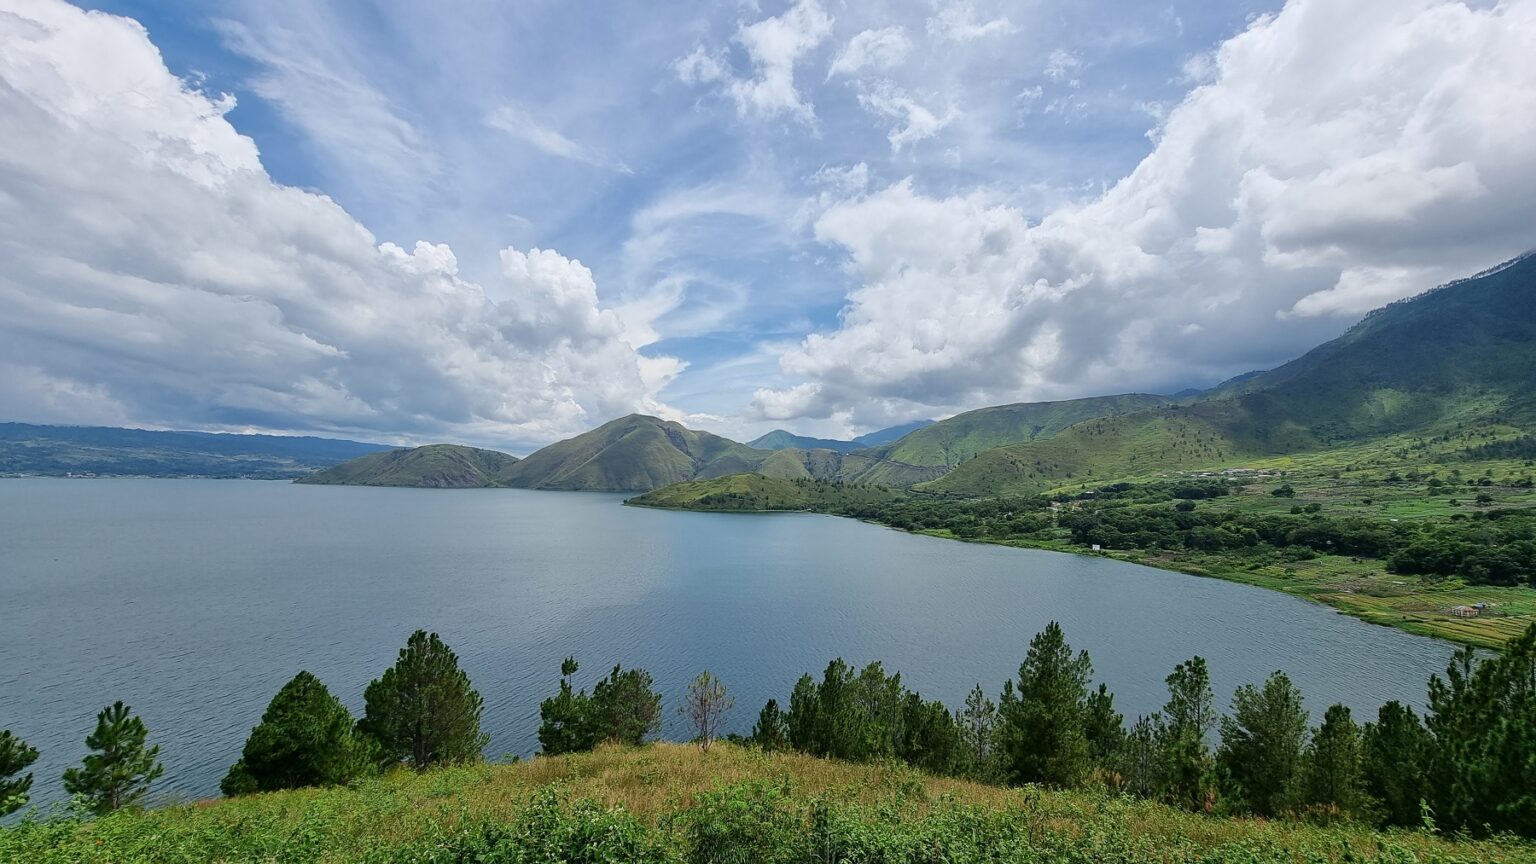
[[1468, 765], [1492, 546]]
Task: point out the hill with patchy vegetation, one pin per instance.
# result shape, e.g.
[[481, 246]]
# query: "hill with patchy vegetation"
[[670, 803], [434, 466], [747, 492]]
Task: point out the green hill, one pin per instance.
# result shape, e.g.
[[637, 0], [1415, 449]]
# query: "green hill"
[[435, 466], [57, 451], [780, 439], [1458, 357], [670, 803], [755, 492], [632, 454], [837, 467], [947, 443]]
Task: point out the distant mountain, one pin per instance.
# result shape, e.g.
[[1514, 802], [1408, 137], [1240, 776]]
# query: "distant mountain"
[[435, 466], [856, 467], [780, 439], [886, 436], [756, 492], [632, 454], [948, 443], [27, 449], [1461, 355]]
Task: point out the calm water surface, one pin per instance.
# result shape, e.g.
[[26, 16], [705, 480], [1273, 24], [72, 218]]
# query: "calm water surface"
[[195, 600]]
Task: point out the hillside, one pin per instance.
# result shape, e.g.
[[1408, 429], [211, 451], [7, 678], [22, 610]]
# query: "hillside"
[[56, 451], [434, 466], [1460, 356], [671, 803], [755, 492], [857, 467], [632, 454], [780, 439], [947, 443]]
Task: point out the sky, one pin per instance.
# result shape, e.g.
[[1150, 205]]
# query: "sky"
[[505, 223]]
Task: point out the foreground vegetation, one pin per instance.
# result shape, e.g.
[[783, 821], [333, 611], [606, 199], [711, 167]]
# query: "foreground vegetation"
[[674, 803]]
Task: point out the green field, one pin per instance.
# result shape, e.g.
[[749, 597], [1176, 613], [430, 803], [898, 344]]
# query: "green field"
[[671, 803]]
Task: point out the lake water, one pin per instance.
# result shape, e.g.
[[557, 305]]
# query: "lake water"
[[195, 600]]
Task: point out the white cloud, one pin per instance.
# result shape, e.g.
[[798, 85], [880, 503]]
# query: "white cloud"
[[880, 50], [917, 121], [525, 127], [1063, 65], [156, 274], [774, 47], [956, 20], [1344, 154]]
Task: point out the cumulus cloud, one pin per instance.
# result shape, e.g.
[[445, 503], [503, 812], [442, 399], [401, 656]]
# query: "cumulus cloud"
[[774, 47], [1341, 155], [880, 49], [155, 274]]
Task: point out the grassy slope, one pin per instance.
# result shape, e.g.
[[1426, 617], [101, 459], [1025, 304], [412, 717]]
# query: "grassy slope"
[[755, 492], [651, 791], [437, 466], [950, 442], [837, 467]]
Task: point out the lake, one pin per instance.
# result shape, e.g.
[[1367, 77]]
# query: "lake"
[[195, 600]]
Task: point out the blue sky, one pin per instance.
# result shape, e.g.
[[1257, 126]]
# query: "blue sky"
[[820, 215]]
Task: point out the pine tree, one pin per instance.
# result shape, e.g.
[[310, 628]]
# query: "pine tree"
[[305, 738], [119, 773], [978, 732], [1139, 760], [1186, 768], [565, 720], [804, 718], [625, 709], [1397, 748], [705, 706], [771, 732], [1104, 728], [1332, 781], [1261, 743], [1042, 729], [423, 710], [15, 755]]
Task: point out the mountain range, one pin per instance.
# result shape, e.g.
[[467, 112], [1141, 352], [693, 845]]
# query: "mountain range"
[[1462, 354]]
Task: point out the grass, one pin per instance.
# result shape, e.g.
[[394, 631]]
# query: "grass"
[[669, 802]]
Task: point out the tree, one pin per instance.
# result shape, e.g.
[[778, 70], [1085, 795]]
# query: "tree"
[[1482, 717], [625, 709], [119, 773], [772, 731], [1042, 727], [423, 710], [1186, 769], [705, 708], [1104, 728], [1331, 779], [1397, 748], [565, 720], [1139, 761], [305, 738], [804, 717], [15, 755], [978, 733], [1261, 743]]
